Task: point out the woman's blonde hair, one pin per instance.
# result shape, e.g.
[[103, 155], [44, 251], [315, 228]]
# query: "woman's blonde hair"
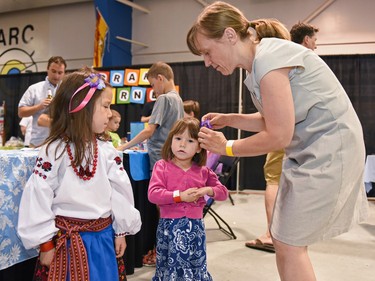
[[218, 16]]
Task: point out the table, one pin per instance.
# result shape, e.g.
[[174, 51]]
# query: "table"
[[139, 244], [16, 263], [15, 168], [369, 174]]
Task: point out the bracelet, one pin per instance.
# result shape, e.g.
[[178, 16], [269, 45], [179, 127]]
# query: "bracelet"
[[229, 148], [47, 246], [123, 234], [176, 196]]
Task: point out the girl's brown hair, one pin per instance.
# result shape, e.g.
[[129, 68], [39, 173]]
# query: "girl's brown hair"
[[115, 113], [192, 106], [160, 68], [74, 127], [192, 125]]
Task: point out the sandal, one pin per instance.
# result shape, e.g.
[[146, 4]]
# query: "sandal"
[[150, 258]]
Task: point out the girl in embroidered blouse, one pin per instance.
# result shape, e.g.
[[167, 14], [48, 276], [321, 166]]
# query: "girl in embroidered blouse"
[[178, 184], [78, 204]]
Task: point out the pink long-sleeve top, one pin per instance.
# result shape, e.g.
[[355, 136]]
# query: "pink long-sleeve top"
[[167, 177]]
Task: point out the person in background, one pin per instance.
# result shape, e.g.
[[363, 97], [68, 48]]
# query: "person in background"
[[303, 108], [146, 111], [38, 97], [167, 110], [178, 185], [304, 34], [44, 120], [26, 127], [78, 204], [191, 108], [112, 127]]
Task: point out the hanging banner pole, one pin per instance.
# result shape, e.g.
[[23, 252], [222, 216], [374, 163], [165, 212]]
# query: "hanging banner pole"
[[239, 131]]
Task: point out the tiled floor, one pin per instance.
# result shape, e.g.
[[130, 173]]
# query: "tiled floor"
[[349, 257]]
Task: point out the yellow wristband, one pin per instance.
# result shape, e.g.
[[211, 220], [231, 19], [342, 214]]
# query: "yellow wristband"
[[228, 148]]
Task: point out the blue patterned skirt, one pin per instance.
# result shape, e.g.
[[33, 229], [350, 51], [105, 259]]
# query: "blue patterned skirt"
[[181, 250]]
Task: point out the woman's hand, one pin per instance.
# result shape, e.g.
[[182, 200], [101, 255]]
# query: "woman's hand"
[[212, 140], [120, 246], [217, 120]]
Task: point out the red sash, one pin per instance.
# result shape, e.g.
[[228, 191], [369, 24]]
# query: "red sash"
[[70, 229]]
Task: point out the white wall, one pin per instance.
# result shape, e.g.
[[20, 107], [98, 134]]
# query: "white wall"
[[344, 25], [66, 30]]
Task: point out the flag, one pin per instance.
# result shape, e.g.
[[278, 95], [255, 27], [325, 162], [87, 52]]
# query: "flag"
[[100, 39]]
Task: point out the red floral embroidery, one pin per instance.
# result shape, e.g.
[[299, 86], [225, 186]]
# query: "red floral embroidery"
[[121, 269], [119, 162], [45, 166]]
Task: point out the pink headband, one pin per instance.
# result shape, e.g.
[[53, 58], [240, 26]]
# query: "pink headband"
[[95, 82]]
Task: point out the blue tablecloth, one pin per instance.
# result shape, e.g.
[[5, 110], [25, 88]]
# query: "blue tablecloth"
[[15, 169], [369, 175], [140, 164]]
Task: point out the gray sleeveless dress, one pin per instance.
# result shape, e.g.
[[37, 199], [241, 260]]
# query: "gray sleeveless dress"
[[321, 191]]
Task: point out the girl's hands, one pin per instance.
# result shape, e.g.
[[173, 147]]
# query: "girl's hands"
[[194, 193], [188, 195], [200, 192], [46, 257], [120, 246]]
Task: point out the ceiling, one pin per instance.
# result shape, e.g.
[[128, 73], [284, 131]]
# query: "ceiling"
[[7, 6]]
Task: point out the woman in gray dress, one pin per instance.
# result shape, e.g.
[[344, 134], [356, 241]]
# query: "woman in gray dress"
[[302, 108]]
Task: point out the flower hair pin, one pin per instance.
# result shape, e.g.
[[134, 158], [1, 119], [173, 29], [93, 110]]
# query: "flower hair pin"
[[206, 123], [95, 82]]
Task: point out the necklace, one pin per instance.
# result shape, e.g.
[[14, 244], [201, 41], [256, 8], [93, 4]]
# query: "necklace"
[[84, 174]]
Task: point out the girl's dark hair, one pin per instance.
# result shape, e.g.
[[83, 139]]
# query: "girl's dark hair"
[[192, 125], [192, 106], [74, 127]]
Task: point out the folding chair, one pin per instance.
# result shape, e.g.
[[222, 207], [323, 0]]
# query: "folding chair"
[[229, 165]]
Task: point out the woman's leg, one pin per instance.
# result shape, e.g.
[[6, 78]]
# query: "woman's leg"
[[293, 263], [269, 201]]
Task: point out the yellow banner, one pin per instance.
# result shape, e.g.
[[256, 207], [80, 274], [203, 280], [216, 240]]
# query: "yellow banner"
[[100, 39]]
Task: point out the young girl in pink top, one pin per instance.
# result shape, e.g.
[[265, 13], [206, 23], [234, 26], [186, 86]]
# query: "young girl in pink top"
[[178, 185]]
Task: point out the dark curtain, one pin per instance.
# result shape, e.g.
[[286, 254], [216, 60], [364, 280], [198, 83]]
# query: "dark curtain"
[[12, 88], [218, 93], [357, 76], [213, 91], [251, 168]]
